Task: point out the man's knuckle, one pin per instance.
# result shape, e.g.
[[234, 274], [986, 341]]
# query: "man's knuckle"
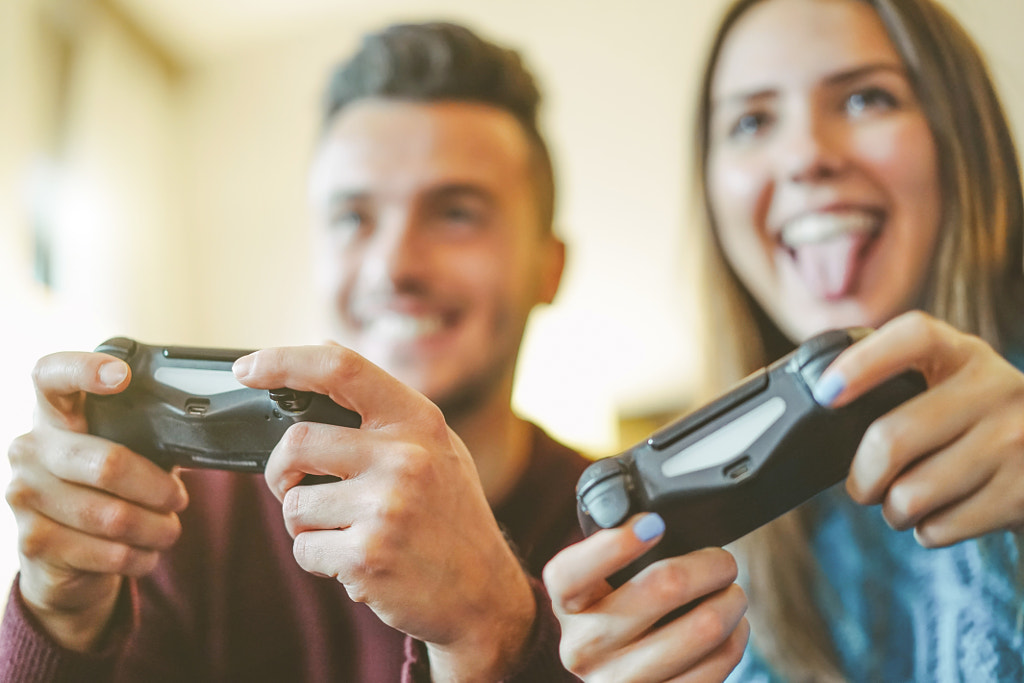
[[304, 551], [395, 510], [20, 496], [297, 437], [116, 519], [357, 592], [171, 533], [119, 558], [342, 365], [22, 449], [576, 651], [293, 502], [553, 577], [34, 540], [103, 467], [371, 558], [434, 423], [40, 370], [139, 562], [418, 466]]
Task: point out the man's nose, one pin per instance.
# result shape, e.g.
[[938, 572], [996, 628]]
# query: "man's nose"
[[398, 254]]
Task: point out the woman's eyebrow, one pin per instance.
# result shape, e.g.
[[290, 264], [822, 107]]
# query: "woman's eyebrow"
[[744, 97], [843, 77], [838, 78], [337, 197]]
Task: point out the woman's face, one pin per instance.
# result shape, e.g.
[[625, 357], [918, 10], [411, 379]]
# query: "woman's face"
[[822, 169]]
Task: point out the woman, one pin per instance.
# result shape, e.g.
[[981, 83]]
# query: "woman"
[[856, 169]]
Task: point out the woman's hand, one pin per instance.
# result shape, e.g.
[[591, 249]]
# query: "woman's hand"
[[615, 635], [949, 463]]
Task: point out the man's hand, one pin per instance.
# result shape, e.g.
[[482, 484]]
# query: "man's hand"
[[408, 529], [89, 512]]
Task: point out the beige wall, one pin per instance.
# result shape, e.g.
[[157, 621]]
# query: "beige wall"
[[112, 200], [181, 215]]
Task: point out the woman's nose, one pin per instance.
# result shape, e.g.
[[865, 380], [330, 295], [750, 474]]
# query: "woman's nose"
[[811, 149]]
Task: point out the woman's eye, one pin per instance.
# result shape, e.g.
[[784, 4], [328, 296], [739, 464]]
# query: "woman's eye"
[[749, 125], [868, 100], [346, 221]]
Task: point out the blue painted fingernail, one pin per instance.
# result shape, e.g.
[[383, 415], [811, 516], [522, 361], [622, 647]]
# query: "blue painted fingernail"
[[649, 527], [828, 388], [242, 366]]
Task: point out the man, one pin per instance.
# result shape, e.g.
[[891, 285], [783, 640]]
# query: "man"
[[433, 197]]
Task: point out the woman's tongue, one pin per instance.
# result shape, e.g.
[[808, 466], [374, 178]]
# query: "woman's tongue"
[[830, 268]]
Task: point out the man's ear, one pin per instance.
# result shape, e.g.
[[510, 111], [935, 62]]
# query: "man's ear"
[[552, 267]]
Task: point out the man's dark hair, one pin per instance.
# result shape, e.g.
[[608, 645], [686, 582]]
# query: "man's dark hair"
[[440, 61]]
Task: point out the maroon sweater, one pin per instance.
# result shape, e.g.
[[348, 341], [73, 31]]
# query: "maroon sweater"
[[229, 603]]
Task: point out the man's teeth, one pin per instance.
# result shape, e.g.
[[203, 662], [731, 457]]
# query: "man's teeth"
[[400, 326], [819, 227]]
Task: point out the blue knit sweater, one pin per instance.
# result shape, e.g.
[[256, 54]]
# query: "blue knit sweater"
[[899, 612]]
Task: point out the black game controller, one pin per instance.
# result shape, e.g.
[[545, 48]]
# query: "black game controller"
[[749, 456], [184, 407]]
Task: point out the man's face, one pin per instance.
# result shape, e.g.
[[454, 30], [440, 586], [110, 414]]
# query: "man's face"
[[429, 247]]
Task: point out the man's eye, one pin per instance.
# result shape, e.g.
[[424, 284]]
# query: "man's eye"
[[460, 214], [868, 100]]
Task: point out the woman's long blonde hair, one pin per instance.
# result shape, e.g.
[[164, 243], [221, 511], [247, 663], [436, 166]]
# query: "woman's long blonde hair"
[[976, 283]]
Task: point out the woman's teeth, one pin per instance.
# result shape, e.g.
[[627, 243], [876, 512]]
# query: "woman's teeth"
[[813, 228]]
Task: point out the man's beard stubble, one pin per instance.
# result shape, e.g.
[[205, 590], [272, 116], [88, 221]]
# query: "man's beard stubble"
[[467, 398]]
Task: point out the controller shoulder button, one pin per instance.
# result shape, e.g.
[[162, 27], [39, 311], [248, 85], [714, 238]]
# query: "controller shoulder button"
[[597, 472], [119, 347], [817, 353], [603, 493], [827, 343]]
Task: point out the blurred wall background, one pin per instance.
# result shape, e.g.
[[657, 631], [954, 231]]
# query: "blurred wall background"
[[153, 159]]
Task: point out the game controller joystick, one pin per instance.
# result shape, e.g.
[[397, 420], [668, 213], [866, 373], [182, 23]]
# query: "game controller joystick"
[[754, 453], [184, 407]]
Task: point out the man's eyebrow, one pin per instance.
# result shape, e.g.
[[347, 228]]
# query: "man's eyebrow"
[[456, 190], [442, 190], [838, 78]]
